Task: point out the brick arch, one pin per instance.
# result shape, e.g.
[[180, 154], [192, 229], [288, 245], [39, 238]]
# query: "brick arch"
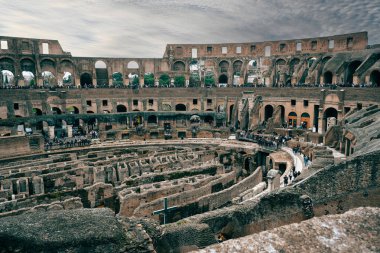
[[7, 63], [179, 66], [281, 60], [47, 64]]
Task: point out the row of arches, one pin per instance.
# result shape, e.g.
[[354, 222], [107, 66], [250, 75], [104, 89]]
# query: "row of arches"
[[49, 72], [330, 117], [120, 108]]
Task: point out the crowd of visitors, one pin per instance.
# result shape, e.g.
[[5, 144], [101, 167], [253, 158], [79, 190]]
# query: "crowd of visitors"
[[267, 140], [66, 142]]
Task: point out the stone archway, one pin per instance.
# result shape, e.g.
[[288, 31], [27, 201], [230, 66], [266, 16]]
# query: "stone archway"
[[101, 73], [330, 118], [268, 112], [180, 107], [223, 66], [85, 80], [223, 79], [121, 108], [179, 66], [7, 70]]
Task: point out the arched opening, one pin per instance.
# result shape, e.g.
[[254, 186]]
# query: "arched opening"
[[375, 78], [330, 118], [121, 108], [137, 120], [280, 62], [252, 64], [350, 71], [237, 67], [28, 65], [132, 65], [305, 120], [180, 107], [223, 79], [223, 66], [48, 65], [86, 80], [194, 66], [195, 119], [37, 112], [101, 74], [72, 110], [7, 69], [90, 112], [268, 112], [28, 79], [292, 119], [152, 119], [209, 119], [7, 64], [48, 79], [56, 110], [7, 78], [179, 66], [327, 77], [67, 68], [67, 79]]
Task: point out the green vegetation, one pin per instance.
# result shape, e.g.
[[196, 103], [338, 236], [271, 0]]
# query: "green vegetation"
[[149, 79], [164, 80], [179, 81]]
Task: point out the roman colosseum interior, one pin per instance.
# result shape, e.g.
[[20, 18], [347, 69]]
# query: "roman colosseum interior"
[[211, 147]]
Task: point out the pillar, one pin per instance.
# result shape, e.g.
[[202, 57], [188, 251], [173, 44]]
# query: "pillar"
[[69, 131], [51, 132]]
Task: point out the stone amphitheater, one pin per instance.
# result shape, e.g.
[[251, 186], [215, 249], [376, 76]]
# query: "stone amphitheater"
[[242, 168]]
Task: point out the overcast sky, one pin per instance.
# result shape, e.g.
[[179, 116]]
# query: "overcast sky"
[[142, 28]]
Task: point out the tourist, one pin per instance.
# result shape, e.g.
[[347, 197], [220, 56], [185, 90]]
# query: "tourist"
[[285, 180]]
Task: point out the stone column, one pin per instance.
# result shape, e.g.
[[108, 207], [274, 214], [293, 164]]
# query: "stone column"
[[69, 131], [51, 132]]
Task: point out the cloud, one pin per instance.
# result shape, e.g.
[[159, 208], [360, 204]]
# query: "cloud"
[[142, 28]]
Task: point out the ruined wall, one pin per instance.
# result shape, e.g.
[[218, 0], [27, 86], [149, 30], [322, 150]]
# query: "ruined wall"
[[334, 189], [20, 145]]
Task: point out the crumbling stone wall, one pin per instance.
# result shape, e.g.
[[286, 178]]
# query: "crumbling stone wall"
[[333, 189]]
